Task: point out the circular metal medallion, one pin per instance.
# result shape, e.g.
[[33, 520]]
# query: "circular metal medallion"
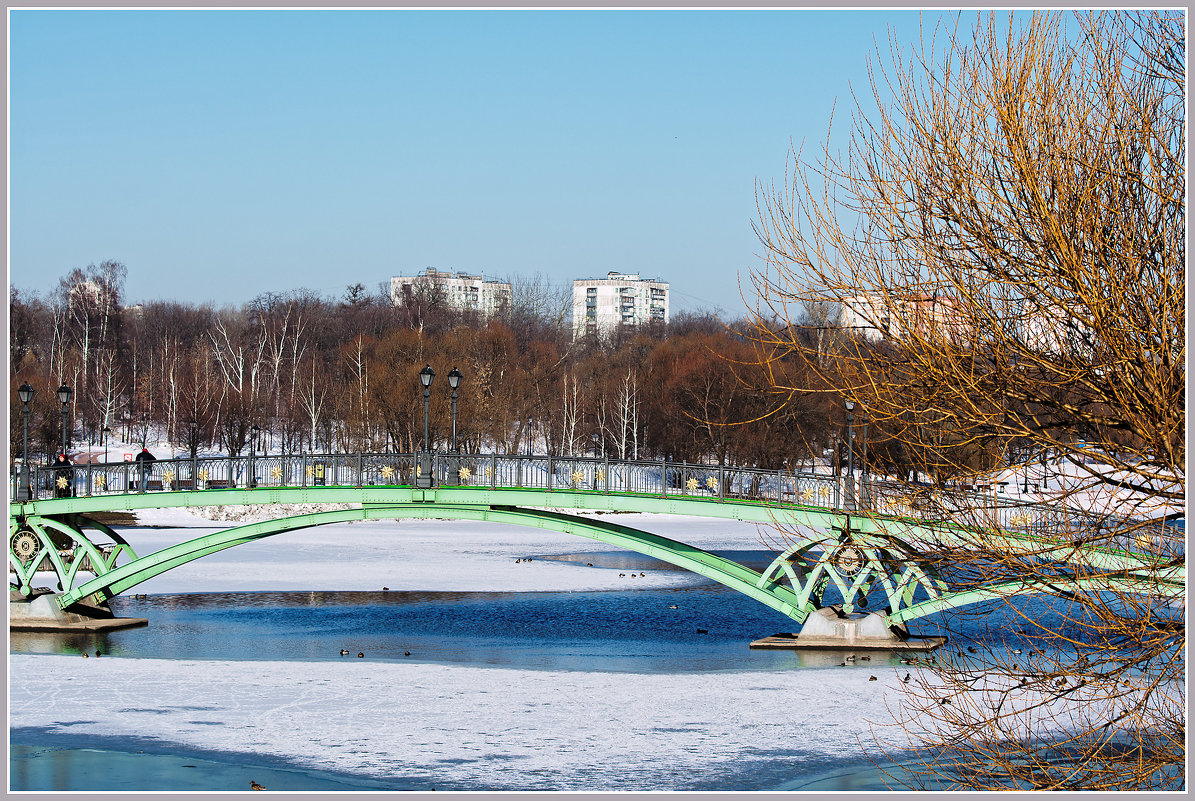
[[847, 560], [25, 545]]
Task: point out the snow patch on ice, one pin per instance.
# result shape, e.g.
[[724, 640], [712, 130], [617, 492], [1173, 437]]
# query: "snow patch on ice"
[[470, 727]]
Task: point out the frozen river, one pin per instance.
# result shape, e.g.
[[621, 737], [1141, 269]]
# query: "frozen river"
[[561, 672]]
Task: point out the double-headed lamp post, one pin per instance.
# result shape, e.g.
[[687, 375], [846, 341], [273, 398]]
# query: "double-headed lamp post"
[[64, 397], [25, 393], [423, 476], [850, 455]]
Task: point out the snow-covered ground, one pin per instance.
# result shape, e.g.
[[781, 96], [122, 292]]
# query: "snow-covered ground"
[[463, 727], [469, 727]]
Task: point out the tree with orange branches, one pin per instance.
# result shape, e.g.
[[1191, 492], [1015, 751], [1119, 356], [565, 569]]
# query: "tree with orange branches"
[[999, 258]]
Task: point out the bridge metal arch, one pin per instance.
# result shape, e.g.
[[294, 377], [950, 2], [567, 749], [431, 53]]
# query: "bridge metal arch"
[[863, 523], [738, 577], [82, 556]]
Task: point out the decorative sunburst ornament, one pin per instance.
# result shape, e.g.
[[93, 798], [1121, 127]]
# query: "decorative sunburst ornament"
[[711, 483], [601, 475], [465, 473], [387, 472], [807, 494], [310, 471], [824, 493], [168, 477], [276, 473], [691, 485], [489, 471], [25, 545], [578, 476], [61, 482], [101, 482]]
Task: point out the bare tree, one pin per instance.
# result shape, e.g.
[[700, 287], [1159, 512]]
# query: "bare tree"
[[1004, 242]]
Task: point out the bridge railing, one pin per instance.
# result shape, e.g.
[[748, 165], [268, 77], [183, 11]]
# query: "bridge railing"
[[649, 477], [654, 477]]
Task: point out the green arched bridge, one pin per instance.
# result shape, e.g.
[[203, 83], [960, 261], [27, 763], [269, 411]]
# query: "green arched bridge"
[[853, 547]]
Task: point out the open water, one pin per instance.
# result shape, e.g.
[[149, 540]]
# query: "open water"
[[699, 628]]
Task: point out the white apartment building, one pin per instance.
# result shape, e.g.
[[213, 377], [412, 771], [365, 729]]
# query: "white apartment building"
[[601, 305], [457, 290]]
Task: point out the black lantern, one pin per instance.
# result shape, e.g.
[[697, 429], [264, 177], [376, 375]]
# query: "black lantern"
[[454, 381], [64, 397], [25, 393], [252, 446], [423, 477], [850, 455]]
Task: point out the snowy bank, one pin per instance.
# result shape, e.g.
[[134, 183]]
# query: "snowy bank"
[[470, 728]]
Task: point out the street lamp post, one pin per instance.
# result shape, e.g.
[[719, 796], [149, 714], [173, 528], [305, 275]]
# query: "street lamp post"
[[105, 434], [454, 381], [454, 468], [423, 477], [1013, 361], [25, 392], [194, 453], [595, 456], [850, 456], [64, 397], [252, 448]]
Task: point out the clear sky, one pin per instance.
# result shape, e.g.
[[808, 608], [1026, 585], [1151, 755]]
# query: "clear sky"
[[221, 154]]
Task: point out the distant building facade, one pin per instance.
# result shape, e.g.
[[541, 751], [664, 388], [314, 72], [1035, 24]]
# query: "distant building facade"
[[874, 317], [602, 305], [457, 290], [1037, 325]]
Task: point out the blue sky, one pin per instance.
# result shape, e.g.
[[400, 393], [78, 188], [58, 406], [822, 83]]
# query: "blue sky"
[[221, 154]]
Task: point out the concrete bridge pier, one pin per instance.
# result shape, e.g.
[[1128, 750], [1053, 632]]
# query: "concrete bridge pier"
[[831, 628], [40, 612]]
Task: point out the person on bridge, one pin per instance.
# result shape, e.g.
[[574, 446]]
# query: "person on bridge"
[[145, 461], [64, 477]]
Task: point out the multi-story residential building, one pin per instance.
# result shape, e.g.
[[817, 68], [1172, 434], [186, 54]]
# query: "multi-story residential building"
[[874, 316], [1039, 325], [601, 305], [457, 290]]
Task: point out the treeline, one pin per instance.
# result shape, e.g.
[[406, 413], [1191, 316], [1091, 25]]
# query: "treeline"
[[315, 373]]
